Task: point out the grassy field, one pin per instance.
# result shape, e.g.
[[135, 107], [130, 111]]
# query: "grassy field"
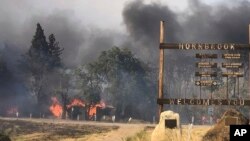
[[21, 130], [185, 134]]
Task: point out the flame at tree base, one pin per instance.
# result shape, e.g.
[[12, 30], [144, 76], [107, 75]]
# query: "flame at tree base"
[[56, 108]]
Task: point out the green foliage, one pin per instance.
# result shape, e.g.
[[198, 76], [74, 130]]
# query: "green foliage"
[[120, 79], [89, 83]]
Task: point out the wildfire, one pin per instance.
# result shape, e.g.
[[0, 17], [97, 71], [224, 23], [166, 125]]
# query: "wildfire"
[[56, 108], [76, 102], [93, 108]]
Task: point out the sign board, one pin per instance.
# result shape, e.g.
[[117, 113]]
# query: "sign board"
[[205, 83], [206, 74], [232, 65], [204, 46], [182, 101], [206, 65], [226, 48], [232, 74], [231, 56], [205, 56]]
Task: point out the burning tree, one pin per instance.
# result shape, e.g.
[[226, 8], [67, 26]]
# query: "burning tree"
[[118, 77]]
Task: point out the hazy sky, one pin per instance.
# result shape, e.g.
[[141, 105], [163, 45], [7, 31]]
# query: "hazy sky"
[[103, 13]]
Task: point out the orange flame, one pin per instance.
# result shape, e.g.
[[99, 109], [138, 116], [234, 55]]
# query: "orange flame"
[[55, 108], [76, 102], [93, 108]]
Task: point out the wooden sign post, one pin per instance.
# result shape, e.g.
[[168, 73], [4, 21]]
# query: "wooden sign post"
[[161, 67], [204, 46]]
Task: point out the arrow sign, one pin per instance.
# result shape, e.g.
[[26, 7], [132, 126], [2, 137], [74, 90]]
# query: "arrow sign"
[[214, 83], [206, 83], [197, 83]]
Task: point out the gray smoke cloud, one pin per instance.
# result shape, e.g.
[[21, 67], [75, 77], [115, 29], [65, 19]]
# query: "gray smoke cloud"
[[200, 23], [83, 43]]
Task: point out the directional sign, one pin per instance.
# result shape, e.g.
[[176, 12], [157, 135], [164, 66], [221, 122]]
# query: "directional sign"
[[232, 74], [232, 65], [206, 65], [214, 83], [205, 83], [206, 74], [231, 56], [203, 56]]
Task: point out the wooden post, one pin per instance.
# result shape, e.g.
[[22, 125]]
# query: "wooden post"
[[249, 61], [161, 67], [249, 64]]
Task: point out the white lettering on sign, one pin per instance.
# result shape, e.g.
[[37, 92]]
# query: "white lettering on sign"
[[187, 46]]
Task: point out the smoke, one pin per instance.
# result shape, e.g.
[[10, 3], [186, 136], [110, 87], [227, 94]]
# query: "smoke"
[[82, 43], [217, 23], [200, 23], [142, 23]]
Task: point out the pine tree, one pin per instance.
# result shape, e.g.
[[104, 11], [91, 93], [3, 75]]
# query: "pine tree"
[[54, 51], [40, 63], [39, 50], [36, 63]]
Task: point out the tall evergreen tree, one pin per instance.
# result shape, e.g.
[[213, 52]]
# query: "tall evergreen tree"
[[39, 49], [40, 61], [55, 51]]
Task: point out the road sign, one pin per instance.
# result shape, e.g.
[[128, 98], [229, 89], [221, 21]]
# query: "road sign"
[[204, 56], [231, 56], [232, 74], [206, 74], [206, 83], [206, 65], [232, 65]]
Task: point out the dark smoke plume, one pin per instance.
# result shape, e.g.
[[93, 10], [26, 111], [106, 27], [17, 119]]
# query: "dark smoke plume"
[[82, 43], [200, 23]]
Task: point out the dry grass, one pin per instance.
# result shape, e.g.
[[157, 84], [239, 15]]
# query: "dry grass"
[[19, 130], [196, 134]]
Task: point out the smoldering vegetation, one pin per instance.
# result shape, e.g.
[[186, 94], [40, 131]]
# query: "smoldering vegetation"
[[221, 23]]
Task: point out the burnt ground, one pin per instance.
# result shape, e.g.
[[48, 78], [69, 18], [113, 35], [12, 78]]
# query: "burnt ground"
[[40, 130]]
